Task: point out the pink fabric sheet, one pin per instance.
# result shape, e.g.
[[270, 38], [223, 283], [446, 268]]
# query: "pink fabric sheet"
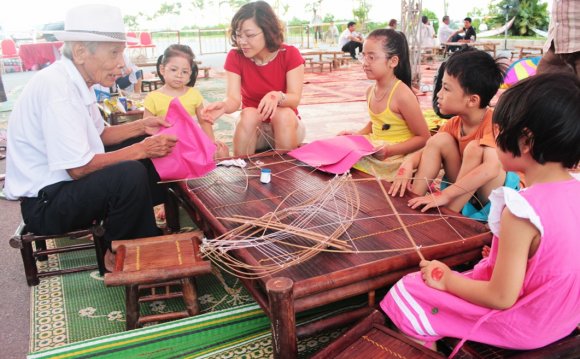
[[193, 155], [334, 155]]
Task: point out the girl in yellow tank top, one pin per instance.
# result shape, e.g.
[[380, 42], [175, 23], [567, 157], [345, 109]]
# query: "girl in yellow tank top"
[[397, 126]]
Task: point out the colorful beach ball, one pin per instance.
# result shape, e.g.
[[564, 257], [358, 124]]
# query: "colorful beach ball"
[[520, 70]]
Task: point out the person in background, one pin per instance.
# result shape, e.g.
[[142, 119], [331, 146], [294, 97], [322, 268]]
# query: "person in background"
[[267, 77], [468, 31], [397, 126], [57, 165], [131, 77], [315, 24], [445, 31], [532, 272], [426, 33], [393, 24], [350, 40], [562, 48], [332, 33]]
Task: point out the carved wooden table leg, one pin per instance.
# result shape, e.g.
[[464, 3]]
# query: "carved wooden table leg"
[[282, 317]]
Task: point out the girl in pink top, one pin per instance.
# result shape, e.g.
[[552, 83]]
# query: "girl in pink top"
[[526, 293], [266, 76]]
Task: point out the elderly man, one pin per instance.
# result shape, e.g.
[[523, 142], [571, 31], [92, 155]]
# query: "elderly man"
[[445, 31], [57, 165]]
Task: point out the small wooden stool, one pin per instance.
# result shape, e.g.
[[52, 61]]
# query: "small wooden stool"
[[321, 63], [149, 263], [371, 339]]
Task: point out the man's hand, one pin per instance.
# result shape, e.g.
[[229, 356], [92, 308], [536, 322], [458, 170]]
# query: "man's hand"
[[158, 146], [152, 124]]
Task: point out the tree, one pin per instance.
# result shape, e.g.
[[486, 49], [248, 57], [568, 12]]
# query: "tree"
[[168, 9], [361, 13], [131, 21], [528, 13]]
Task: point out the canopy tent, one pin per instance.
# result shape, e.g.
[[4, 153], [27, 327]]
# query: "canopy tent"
[[542, 33], [497, 31]]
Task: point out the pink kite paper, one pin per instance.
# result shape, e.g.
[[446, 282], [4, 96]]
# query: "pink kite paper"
[[192, 156], [334, 155]]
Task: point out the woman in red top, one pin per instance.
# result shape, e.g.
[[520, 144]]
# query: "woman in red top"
[[266, 76]]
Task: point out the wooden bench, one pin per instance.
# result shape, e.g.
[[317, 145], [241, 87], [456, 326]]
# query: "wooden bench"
[[346, 59], [526, 50], [321, 64], [23, 240], [205, 70], [148, 85], [489, 47], [428, 54], [147, 264]]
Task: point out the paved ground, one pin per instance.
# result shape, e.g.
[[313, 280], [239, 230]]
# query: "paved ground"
[[15, 303]]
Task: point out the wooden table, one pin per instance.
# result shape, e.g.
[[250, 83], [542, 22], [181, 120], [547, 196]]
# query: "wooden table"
[[34, 56], [321, 53], [487, 46], [328, 277], [526, 50]]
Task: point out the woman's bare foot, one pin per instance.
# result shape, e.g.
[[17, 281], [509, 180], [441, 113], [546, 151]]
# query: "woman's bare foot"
[[222, 150]]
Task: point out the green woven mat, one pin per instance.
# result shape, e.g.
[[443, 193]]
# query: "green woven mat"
[[240, 332], [78, 307]]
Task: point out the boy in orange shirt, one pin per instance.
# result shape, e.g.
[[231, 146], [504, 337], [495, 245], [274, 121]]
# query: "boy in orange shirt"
[[465, 145]]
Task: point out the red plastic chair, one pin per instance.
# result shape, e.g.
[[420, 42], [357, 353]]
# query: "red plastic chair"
[[9, 52], [146, 40], [131, 34], [146, 43]]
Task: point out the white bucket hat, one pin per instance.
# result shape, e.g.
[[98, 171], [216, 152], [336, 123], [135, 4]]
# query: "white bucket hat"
[[94, 23]]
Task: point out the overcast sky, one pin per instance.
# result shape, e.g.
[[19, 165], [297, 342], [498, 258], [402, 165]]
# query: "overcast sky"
[[24, 15]]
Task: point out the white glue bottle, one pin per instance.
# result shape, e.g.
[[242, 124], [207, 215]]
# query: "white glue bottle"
[[265, 175]]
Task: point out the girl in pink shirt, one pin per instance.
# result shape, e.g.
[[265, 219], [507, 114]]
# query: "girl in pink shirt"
[[526, 293]]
